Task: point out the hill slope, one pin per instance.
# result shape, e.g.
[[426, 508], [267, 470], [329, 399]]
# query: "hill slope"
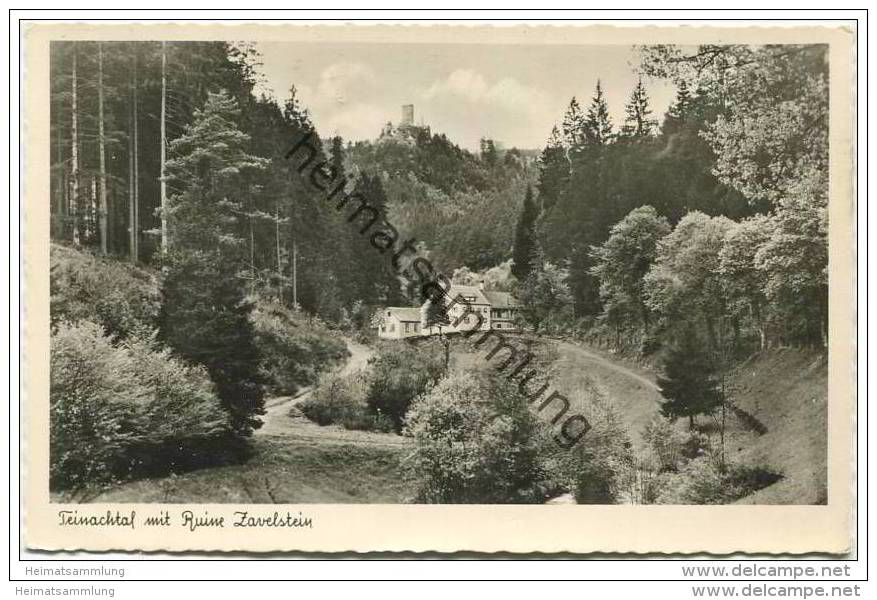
[[787, 391], [784, 391]]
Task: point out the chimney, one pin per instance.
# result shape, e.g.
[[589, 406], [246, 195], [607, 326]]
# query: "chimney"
[[481, 285]]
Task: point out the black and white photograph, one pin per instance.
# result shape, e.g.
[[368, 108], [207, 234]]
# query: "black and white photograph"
[[439, 287], [468, 274]]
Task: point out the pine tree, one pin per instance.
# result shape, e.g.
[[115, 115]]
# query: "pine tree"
[[689, 382], [204, 316], [637, 124], [375, 281], [598, 126], [525, 237], [553, 171], [208, 166], [574, 125], [679, 109], [336, 156]]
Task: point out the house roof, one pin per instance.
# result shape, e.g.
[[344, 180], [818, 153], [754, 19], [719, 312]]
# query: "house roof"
[[405, 313], [468, 291], [501, 299]]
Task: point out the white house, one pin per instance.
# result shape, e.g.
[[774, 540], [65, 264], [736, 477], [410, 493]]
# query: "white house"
[[400, 323], [468, 307]]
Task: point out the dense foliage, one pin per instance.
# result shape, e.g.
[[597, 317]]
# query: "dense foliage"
[[701, 235], [477, 441], [129, 409], [398, 375], [379, 398], [717, 217], [121, 298], [294, 349]]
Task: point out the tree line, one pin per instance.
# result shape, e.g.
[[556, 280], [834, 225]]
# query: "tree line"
[[164, 156], [712, 221]]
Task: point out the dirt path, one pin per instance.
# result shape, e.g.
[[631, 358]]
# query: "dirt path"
[[276, 420], [606, 363], [633, 393]]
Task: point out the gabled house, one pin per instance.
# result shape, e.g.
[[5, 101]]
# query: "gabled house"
[[400, 323], [503, 310], [468, 307]]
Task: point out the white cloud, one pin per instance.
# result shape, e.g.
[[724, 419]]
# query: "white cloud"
[[355, 122], [341, 101], [343, 82], [506, 94], [467, 105]]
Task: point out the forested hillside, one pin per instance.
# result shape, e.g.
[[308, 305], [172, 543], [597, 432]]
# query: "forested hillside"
[[459, 206], [159, 148], [197, 270], [713, 218]]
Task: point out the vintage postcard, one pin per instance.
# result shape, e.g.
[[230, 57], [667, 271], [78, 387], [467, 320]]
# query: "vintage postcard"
[[358, 287]]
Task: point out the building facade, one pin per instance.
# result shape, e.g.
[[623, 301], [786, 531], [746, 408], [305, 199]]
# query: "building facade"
[[467, 307]]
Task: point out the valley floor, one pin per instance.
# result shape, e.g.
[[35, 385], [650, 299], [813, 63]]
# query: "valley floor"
[[297, 461]]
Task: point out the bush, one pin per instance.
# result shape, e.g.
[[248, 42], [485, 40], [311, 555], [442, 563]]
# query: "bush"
[[341, 401], [476, 441], [335, 400], [118, 296], [399, 373], [702, 481], [119, 411], [595, 468], [294, 350]]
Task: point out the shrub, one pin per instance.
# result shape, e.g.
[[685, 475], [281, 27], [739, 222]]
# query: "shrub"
[[294, 351], [118, 411], [594, 469], [118, 296], [476, 441], [336, 400], [702, 481], [399, 373], [341, 401]]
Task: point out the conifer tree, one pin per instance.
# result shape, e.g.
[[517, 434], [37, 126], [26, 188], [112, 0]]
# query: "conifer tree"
[[574, 125], [204, 315], [679, 109], [689, 382], [525, 237], [637, 124], [553, 171], [598, 126], [209, 168]]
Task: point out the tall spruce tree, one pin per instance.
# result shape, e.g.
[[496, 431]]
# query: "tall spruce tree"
[[689, 382], [204, 315], [598, 125], [553, 171], [209, 167], [637, 124], [678, 110], [574, 125], [522, 254]]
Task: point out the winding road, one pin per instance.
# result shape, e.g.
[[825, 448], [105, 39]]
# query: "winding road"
[[277, 421]]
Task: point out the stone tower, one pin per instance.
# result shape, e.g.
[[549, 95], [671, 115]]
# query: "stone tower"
[[407, 115]]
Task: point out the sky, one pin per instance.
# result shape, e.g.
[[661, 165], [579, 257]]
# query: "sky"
[[514, 93]]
